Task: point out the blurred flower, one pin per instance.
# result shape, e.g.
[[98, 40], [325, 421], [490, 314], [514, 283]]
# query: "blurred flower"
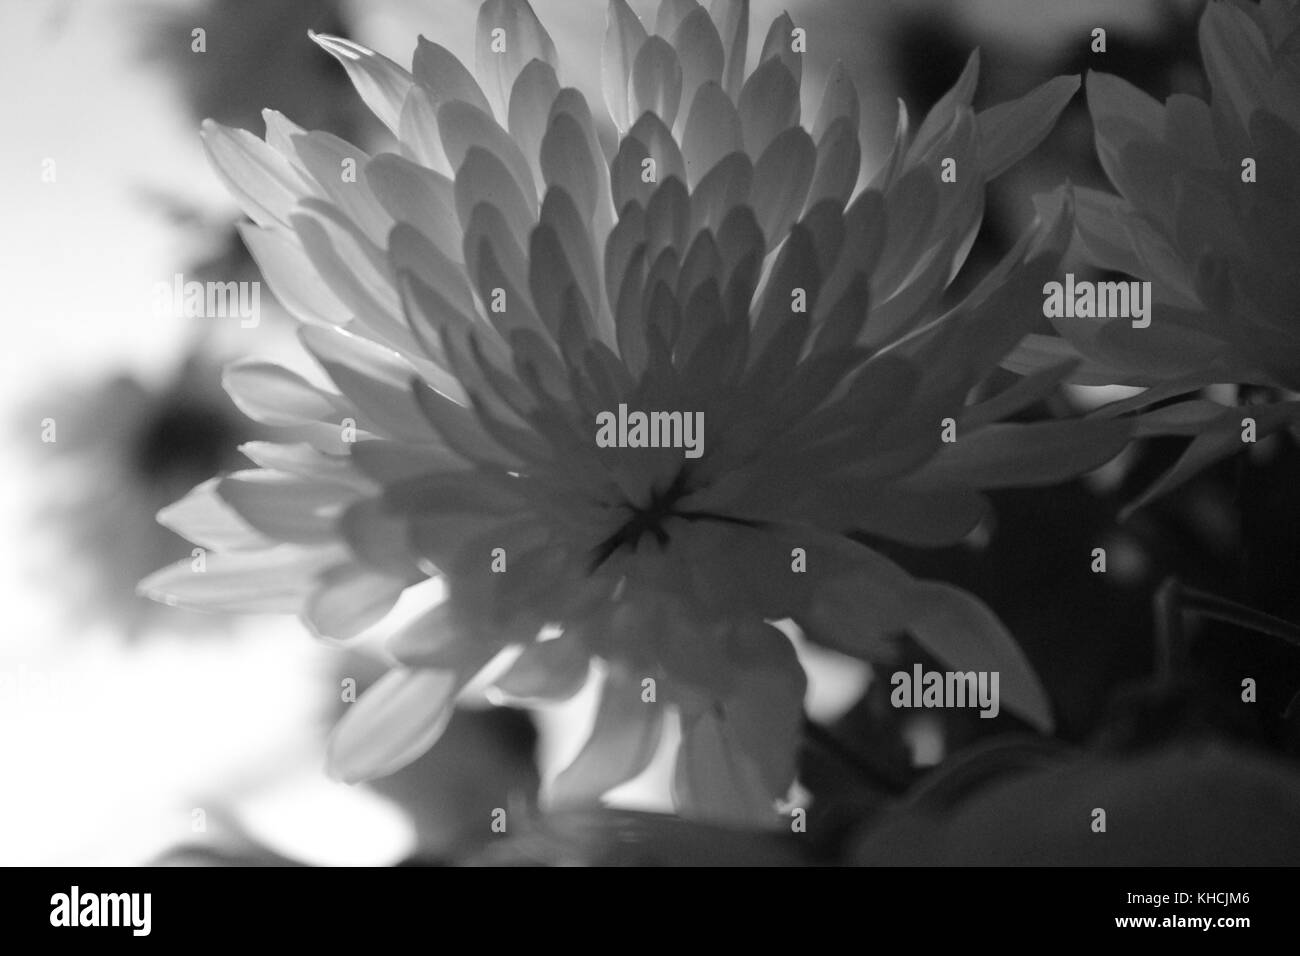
[[122, 451], [1209, 213], [1191, 803], [481, 296]]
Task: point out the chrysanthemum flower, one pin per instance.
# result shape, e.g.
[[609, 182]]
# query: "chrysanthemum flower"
[[481, 295], [1209, 213]]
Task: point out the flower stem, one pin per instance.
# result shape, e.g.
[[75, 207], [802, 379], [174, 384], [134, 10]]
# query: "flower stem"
[[1173, 600], [1219, 608]]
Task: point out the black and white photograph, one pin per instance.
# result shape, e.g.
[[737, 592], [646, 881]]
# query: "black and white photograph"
[[820, 434]]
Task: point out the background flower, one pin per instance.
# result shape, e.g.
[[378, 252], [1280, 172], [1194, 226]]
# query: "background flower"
[[125, 449], [1189, 804], [1208, 214]]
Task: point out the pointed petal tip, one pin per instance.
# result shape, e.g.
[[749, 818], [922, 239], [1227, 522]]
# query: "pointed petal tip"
[[155, 587], [339, 46], [336, 768]]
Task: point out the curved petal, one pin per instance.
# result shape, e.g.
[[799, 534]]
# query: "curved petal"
[[509, 35], [382, 84], [395, 722], [657, 81], [623, 740]]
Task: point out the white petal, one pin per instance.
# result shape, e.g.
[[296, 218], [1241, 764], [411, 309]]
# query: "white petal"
[[551, 281], [275, 581], [395, 722], [445, 78], [671, 15], [292, 278], [668, 220], [738, 758], [732, 18], [461, 430], [202, 517], [623, 740], [409, 251], [495, 262], [434, 639], [380, 82], [657, 137], [356, 271], [305, 461], [699, 48], [567, 162], [726, 186], [280, 131], [840, 100], [464, 128], [782, 177], [376, 379], [769, 105], [839, 162], [273, 395], [530, 110], [337, 166], [431, 316], [712, 132], [551, 670], [483, 179], [573, 103], [624, 36], [286, 507], [562, 214], [414, 194], [514, 24], [796, 267], [260, 179], [349, 600], [420, 138], [779, 44], [657, 81], [622, 246]]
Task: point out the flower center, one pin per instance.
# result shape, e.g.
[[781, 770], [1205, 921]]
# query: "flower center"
[[646, 519], [651, 517]]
